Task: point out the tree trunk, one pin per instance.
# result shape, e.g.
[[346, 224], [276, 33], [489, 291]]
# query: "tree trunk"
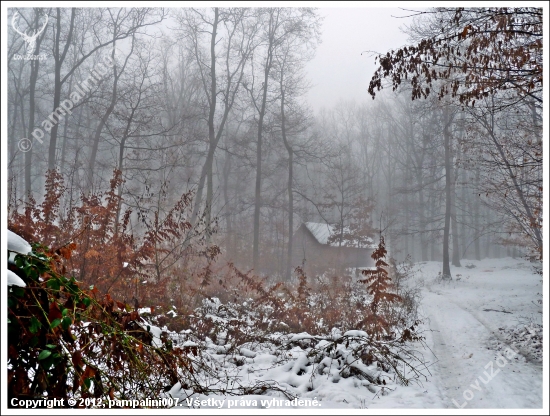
[[477, 235], [290, 213], [12, 179], [121, 149], [211, 132], [406, 204], [102, 122], [465, 203], [448, 183], [213, 136], [119, 188], [257, 190], [456, 247], [228, 214], [209, 199], [59, 59], [422, 218], [288, 271], [32, 106], [257, 196]]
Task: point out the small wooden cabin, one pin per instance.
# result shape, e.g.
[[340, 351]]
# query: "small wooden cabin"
[[311, 247]]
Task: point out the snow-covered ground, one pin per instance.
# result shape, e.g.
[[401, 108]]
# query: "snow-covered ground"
[[479, 364], [483, 336]]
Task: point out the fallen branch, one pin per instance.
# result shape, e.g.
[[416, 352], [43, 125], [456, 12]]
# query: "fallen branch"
[[494, 310]]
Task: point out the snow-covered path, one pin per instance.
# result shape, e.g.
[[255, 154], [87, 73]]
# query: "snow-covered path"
[[475, 366]]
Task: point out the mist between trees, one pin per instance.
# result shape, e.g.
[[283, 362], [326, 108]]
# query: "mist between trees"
[[212, 100]]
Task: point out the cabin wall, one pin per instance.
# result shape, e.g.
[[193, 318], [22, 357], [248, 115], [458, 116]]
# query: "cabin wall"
[[321, 257]]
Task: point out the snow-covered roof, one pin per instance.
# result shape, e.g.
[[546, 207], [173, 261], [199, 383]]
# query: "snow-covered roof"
[[322, 231]]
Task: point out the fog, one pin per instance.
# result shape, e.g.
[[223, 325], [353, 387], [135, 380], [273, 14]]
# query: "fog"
[[343, 62], [264, 115]]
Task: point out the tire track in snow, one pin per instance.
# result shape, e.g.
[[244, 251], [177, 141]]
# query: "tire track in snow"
[[462, 345]]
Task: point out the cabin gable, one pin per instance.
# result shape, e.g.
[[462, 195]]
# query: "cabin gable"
[[319, 256]]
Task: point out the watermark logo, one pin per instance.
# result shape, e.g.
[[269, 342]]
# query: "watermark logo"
[[30, 40], [24, 145], [487, 376]]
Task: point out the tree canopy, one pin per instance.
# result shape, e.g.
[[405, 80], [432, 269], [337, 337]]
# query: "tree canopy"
[[478, 50]]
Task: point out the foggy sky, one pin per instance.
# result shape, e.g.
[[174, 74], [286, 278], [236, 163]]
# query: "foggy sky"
[[339, 71]]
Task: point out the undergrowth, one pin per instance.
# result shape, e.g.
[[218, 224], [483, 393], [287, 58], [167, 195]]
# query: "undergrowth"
[[78, 329]]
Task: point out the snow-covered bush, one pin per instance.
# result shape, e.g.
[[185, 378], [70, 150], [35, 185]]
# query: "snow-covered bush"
[[66, 342], [268, 333]]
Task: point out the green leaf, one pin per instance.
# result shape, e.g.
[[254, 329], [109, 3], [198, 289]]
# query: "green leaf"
[[18, 291], [44, 354], [55, 323], [47, 364], [33, 342], [64, 312], [88, 382], [71, 286], [31, 272], [35, 325], [67, 322], [53, 284], [86, 301], [51, 346]]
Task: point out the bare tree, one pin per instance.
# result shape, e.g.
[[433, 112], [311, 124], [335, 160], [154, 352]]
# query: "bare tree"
[[230, 34], [37, 26], [279, 25], [137, 18]]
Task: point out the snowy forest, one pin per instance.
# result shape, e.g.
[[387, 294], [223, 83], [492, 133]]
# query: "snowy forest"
[[186, 229]]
